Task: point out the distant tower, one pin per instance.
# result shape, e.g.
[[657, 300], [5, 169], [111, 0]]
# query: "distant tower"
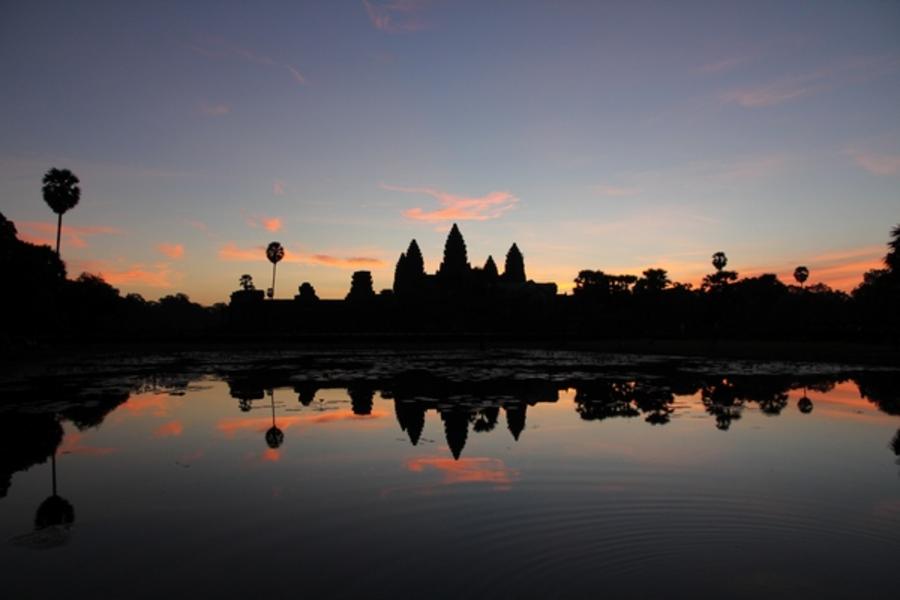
[[415, 265], [306, 293], [455, 267], [514, 270], [361, 399], [490, 269], [515, 419], [456, 429], [361, 289], [409, 274], [400, 274], [411, 417]]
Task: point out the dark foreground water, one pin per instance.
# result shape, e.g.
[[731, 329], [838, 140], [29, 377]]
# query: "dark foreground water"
[[449, 475]]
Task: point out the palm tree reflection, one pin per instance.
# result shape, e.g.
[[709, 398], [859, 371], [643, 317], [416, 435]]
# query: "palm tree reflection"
[[55, 511], [804, 404], [274, 436], [721, 402]]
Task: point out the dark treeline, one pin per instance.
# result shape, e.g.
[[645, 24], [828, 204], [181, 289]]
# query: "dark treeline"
[[457, 299], [41, 303]]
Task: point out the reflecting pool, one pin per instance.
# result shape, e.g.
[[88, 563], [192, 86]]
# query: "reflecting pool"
[[450, 474]]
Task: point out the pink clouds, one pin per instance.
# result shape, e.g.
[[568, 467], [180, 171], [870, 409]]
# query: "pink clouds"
[[297, 75], [877, 163], [231, 252], [173, 251], [218, 48], [38, 232], [215, 110], [616, 191], [721, 66], [773, 93], [396, 16], [459, 208], [788, 88]]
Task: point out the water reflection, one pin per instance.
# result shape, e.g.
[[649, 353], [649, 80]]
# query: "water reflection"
[[547, 458], [33, 437], [476, 405]]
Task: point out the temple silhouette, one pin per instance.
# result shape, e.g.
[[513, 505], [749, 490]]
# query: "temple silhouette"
[[457, 297]]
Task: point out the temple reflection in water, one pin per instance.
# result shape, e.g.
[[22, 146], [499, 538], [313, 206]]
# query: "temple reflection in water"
[[568, 462]]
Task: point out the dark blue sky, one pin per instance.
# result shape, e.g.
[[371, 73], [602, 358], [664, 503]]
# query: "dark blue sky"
[[605, 135]]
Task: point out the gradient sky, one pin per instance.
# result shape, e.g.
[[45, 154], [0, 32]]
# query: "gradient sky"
[[604, 135]]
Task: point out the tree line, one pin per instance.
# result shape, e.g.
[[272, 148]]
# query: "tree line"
[[457, 298]]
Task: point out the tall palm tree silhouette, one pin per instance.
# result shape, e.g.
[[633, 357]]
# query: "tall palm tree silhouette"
[[274, 252], [719, 260], [801, 274], [61, 193]]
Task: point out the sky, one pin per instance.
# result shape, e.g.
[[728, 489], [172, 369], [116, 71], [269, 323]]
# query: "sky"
[[617, 136]]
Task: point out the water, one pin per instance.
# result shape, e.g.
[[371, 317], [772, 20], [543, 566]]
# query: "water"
[[450, 475]]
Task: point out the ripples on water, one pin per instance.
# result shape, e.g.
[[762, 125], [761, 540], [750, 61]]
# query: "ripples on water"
[[451, 477]]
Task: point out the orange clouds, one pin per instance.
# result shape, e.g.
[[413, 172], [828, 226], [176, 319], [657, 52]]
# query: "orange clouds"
[[173, 251], [73, 444], [351, 262], [466, 470], [159, 275], [157, 405], [459, 208], [41, 233], [232, 252], [272, 224], [260, 424], [170, 429]]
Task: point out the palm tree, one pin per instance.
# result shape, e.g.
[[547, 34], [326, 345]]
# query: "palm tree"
[[719, 260], [61, 192], [274, 252], [801, 274]]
